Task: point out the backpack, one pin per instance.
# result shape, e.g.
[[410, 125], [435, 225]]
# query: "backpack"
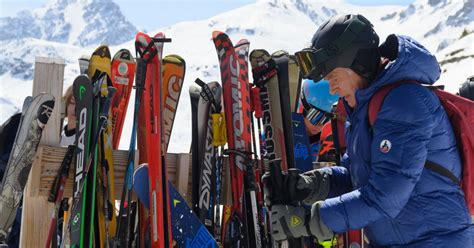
[[467, 89], [460, 112]]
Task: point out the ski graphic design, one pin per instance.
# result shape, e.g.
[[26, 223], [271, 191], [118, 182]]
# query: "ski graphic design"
[[266, 79], [35, 116], [237, 105], [209, 103], [251, 184], [174, 69], [188, 231], [83, 95]]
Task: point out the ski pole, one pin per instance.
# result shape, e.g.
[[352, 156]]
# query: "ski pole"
[[63, 174]]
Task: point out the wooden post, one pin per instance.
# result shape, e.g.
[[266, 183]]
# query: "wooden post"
[[48, 77], [182, 174]]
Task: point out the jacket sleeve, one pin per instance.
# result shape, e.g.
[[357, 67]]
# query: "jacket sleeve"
[[340, 180], [398, 152]]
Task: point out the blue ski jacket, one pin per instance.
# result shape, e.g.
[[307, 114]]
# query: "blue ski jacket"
[[382, 185]]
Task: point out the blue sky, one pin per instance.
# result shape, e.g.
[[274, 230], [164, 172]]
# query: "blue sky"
[[151, 14]]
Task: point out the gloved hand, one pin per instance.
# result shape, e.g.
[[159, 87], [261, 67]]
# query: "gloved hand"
[[291, 187], [293, 222]]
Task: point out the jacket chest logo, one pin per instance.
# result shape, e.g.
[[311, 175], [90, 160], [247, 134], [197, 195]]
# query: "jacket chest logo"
[[385, 146]]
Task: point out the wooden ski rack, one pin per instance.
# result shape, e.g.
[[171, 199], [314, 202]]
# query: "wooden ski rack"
[[36, 214]]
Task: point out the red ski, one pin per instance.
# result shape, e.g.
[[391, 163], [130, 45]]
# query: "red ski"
[[160, 227], [237, 109], [123, 73]]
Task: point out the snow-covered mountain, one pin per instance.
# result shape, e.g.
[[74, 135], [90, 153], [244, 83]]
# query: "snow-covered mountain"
[[445, 27], [76, 22]]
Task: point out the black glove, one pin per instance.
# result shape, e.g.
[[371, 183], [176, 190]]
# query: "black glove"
[[291, 187], [281, 187]]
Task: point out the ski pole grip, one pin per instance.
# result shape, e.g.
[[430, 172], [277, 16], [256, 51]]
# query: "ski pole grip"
[[161, 39], [293, 176], [275, 175], [206, 92]]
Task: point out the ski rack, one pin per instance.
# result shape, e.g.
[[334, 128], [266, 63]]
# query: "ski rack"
[[36, 216], [49, 77]]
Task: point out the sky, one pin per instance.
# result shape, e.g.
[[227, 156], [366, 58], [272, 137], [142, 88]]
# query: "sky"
[[144, 13]]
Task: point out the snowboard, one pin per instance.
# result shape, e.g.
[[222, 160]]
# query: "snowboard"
[[35, 115]]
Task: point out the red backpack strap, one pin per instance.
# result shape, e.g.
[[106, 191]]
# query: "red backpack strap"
[[376, 101]]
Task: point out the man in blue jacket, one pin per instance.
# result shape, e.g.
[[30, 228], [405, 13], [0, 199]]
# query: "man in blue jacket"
[[382, 184]]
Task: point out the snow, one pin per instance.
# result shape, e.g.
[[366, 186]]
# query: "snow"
[[272, 25], [75, 12]]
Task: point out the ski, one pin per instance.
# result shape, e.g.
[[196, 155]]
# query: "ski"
[[159, 201], [83, 95], [126, 195], [265, 78], [271, 77], [294, 83], [123, 73], [251, 184], [174, 69], [99, 72], [188, 231], [107, 220], [209, 103], [194, 94], [237, 108], [74, 223], [35, 115]]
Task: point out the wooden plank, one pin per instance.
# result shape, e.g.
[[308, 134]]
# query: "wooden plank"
[[51, 158], [48, 77], [182, 173], [33, 179]]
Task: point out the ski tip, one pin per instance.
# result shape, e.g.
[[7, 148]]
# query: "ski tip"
[[174, 59], [142, 39], [194, 91], [217, 33], [159, 35], [124, 55], [103, 51], [242, 42], [280, 53], [83, 78]]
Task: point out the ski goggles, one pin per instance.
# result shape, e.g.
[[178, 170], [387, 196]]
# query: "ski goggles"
[[310, 66], [317, 117], [314, 115]]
